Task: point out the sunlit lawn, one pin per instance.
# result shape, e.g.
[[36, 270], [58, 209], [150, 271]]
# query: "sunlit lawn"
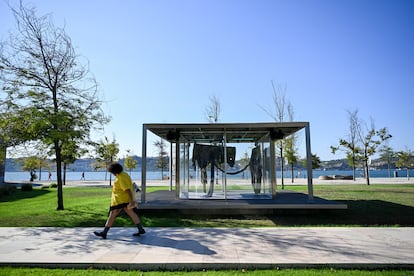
[[374, 205], [278, 272]]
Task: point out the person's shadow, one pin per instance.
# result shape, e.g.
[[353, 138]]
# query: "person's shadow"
[[156, 238]]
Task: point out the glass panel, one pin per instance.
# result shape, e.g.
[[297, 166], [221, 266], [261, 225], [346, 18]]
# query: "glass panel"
[[184, 170], [246, 174], [248, 178], [205, 179]]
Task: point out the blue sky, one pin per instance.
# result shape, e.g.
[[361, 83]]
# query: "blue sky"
[[160, 62]]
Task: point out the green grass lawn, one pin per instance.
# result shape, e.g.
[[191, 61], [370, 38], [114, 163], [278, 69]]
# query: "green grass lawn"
[[374, 205], [277, 272]]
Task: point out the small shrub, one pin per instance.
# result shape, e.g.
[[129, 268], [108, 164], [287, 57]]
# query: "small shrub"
[[53, 185], [7, 190], [27, 187]]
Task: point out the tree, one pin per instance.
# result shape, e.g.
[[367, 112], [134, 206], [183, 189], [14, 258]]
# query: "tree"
[[162, 160], [30, 164], [43, 77], [316, 161], [291, 151], [405, 160], [244, 161], [371, 140], [42, 163], [130, 162], [281, 109], [71, 151], [290, 155], [362, 143], [387, 154], [107, 153], [213, 110], [350, 146]]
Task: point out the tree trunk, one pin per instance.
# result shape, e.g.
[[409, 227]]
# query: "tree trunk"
[[64, 173], [353, 168], [59, 176], [2, 162], [293, 171], [366, 170]]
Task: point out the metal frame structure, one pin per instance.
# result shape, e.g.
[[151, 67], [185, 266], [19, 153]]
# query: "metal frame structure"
[[232, 133]]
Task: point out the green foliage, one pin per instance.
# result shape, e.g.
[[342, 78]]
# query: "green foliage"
[[49, 93], [129, 162], [106, 152], [27, 187], [162, 161], [404, 159]]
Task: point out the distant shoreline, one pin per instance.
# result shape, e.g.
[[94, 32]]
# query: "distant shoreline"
[[287, 182], [156, 175]]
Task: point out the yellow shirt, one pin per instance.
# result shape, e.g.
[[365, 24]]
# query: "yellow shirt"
[[122, 183]]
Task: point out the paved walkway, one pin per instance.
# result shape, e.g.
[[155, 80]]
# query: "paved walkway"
[[209, 248]]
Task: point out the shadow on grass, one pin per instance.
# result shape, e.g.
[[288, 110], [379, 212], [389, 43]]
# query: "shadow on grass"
[[359, 213], [19, 195]]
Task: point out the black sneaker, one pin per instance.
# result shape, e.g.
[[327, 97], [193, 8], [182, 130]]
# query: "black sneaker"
[[139, 233], [100, 234]]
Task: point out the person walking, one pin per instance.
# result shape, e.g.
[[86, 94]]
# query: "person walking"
[[122, 199]]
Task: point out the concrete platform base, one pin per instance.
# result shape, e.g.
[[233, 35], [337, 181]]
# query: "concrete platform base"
[[284, 200]]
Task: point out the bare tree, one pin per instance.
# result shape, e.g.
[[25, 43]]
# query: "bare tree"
[[350, 145], [371, 139], [291, 149], [281, 109], [213, 110]]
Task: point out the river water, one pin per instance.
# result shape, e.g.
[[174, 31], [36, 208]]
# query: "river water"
[[155, 175]]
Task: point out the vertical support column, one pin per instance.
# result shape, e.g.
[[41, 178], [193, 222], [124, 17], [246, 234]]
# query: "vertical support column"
[[144, 164], [171, 165], [309, 162], [273, 168], [225, 165], [177, 168]]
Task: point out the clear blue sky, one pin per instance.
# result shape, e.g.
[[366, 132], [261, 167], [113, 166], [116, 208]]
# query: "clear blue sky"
[[160, 61]]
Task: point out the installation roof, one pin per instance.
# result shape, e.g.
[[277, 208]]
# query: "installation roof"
[[233, 132]]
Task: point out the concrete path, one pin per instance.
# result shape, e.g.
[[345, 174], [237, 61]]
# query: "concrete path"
[[209, 248]]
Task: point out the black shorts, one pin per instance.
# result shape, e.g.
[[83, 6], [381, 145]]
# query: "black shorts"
[[119, 206]]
